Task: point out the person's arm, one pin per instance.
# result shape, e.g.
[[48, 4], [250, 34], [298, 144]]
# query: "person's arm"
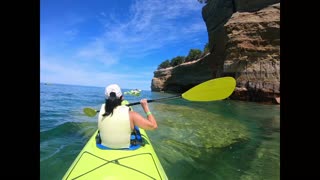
[[148, 124]]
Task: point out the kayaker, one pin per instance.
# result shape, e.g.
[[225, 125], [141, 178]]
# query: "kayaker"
[[116, 122]]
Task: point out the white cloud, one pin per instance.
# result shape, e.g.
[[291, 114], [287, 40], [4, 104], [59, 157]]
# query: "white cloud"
[[52, 70], [96, 51], [151, 25], [148, 27]]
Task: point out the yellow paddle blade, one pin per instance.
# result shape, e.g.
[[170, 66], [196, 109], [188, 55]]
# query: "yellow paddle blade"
[[211, 90], [89, 112]]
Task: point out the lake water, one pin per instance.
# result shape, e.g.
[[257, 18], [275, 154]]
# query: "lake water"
[[194, 140]]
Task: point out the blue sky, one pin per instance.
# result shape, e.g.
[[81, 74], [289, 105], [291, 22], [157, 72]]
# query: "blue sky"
[[99, 42]]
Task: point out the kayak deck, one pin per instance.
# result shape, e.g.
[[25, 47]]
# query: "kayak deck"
[[96, 163]]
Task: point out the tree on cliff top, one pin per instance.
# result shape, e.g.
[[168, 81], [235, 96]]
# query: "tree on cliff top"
[[177, 60], [193, 55], [164, 64]]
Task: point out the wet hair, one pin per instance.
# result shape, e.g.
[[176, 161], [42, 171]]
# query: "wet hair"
[[111, 103]]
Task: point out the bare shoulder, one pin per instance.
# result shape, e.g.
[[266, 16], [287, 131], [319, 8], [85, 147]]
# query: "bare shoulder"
[[134, 114]]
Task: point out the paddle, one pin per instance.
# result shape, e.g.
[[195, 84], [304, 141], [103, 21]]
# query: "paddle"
[[211, 90]]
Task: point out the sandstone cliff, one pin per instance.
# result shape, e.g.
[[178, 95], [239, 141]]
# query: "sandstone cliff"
[[244, 38]]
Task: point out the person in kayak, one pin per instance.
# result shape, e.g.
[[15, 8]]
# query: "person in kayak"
[[116, 122]]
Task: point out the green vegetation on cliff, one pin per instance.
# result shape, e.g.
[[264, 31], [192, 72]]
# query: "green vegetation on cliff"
[[193, 54]]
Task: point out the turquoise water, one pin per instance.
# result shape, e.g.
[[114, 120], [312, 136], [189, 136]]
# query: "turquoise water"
[[209, 140]]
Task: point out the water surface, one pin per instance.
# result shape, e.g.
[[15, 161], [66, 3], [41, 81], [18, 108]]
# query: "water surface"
[[208, 140]]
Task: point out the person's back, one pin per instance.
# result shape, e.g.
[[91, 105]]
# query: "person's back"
[[115, 129], [116, 121]]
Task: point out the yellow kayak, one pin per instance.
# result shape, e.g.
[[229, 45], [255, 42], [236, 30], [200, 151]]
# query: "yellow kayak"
[[95, 163]]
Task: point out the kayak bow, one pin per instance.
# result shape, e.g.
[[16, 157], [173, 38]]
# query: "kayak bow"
[[95, 163]]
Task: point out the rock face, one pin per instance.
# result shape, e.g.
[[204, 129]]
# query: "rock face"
[[183, 77], [244, 39], [253, 53]]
